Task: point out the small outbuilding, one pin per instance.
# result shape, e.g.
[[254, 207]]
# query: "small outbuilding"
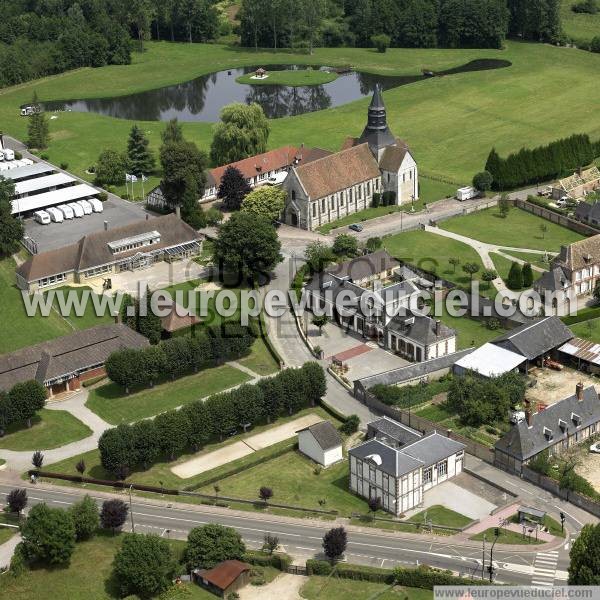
[[489, 361], [225, 578], [321, 442]]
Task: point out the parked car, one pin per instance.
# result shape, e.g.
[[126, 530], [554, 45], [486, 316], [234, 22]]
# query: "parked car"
[[66, 210], [42, 217], [466, 193], [356, 227], [595, 448]]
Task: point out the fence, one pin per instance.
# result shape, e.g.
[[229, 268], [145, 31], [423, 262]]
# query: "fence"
[[30, 244], [554, 217], [426, 426], [552, 486]]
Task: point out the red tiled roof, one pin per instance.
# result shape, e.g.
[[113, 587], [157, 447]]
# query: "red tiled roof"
[[225, 573]]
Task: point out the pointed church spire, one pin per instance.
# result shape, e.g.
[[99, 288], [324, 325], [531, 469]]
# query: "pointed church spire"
[[377, 133]]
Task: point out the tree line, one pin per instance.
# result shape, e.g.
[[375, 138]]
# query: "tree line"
[[133, 367], [399, 23], [129, 447], [532, 166], [21, 403]]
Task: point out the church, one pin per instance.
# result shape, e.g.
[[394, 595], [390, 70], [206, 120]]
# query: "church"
[[343, 183]]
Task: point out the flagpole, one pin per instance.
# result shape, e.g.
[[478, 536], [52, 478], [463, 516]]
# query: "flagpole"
[[126, 186], [143, 193]]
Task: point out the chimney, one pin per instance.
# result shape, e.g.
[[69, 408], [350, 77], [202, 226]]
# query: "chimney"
[[528, 417], [105, 225], [579, 391], [438, 327]]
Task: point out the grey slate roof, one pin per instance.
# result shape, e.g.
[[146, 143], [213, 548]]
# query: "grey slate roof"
[[523, 442], [534, 339], [365, 266], [393, 462], [68, 354], [377, 133], [388, 428], [432, 448], [420, 329], [413, 371], [325, 434], [587, 212], [552, 281]]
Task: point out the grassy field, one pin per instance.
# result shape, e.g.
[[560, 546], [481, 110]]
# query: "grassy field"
[[503, 266], [589, 330], [293, 78], [110, 402], [333, 588], [532, 258], [506, 537], [89, 318], [519, 229], [50, 429], [161, 472], [451, 122], [88, 577], [579, 26]]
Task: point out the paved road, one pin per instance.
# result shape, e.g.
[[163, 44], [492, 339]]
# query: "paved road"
[[303, 539]]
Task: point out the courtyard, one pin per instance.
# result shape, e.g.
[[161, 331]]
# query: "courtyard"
[[552, 386]]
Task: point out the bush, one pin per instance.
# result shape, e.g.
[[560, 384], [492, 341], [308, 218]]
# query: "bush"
[[18, 155], [595, 44], [425, 577], [482, 182], [318, 567], [589, 7], [351, 425], [376, 200], [389, 198], [381, 42], [277, 561], [64, 166]]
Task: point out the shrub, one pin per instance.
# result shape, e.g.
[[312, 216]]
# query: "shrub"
[[351, 425], [381, 42], [595, 44], [318, 567], [589, 7], [18, 155], [482, 181], [64, 166], [376, 200]]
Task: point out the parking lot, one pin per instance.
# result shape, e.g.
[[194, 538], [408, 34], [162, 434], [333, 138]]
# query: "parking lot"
[[117, 212]]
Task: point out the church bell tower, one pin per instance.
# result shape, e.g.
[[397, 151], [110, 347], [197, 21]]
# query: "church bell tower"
[[377, 133]]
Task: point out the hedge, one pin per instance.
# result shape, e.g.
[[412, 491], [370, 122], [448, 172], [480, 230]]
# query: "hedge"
[[278, 561]]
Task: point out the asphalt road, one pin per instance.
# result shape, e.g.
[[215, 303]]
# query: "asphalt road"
[[303, 540]]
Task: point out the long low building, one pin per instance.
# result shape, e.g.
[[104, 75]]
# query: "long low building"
[[39, 185], [53, 198], [64, 363], [28, 172], [127, 248]]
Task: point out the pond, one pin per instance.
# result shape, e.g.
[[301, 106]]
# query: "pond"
[[203, 98]]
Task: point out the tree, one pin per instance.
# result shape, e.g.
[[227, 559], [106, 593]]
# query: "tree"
[[111, 167], [596, 292], [233, 188], [543, 229], [191, 211], [381, 42], [11, 228], [595, 44], [27, 398], [172, 132], [180, 160], [315, 384], [454, 261], [122, 367], [312, 13], [345, 245], [374, 504], [318, 255], [320, 321], [85, 518], [270, 543], [16, 500], [37, 459], [488, 276], [80, 467], [482, 181], [38, 129], [142, 13], [211, 544], [242, 132], [504, 205], [113, 514], [140, 160], [48, 535], [515, 277], [267, 201], [335, 542], [265, 493], [144, 566], [527, 272], [247, 244], [470, 269], [172, 432], [584, 567], [373, 244]]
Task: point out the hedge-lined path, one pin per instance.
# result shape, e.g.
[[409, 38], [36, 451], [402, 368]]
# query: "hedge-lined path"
[[76, 405]]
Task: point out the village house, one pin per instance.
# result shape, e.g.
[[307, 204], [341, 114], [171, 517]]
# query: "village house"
[[63, 364], [375, 296], [554, 429], [578, 185], [344, 183], [321, 442], [398, 464], [98, 255]]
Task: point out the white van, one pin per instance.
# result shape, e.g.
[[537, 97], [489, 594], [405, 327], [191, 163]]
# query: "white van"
[[55, 214], [8, 154], [76, 208], [86, 206], [97, 205], [41, 217], [66, 210]]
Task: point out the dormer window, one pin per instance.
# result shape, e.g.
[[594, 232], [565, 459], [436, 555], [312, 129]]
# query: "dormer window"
[[548, 434], [576, 418], [562, 424], [136, 241]]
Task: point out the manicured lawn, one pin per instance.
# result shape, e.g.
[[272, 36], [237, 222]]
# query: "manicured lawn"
[[88, 318], [533, 259], [7, 532], [503, 266], [88, 577], [440, 515], [293, 78], [260, 360], [506, 537], [519, 229], [19, 330], [470, 332], [334, 588], [589, 330], [579, 26], [50, 429], [110, 402], [451, 123], [161, 471]]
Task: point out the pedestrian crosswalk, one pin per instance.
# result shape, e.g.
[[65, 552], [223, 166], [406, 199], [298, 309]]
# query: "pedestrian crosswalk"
[[544, 568]]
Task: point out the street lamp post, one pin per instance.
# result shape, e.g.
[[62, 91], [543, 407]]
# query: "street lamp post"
[[491, 567], [483, 559], [131, 509]]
